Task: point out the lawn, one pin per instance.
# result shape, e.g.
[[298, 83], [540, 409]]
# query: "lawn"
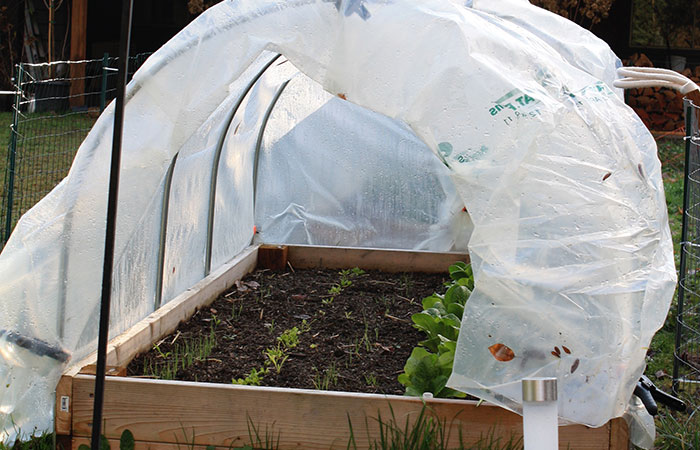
[[45, 147]]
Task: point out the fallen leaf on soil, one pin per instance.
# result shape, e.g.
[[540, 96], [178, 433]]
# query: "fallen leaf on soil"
[[502, 352]]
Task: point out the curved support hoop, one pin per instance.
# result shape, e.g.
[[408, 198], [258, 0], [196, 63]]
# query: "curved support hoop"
[[215, 165], [164, 231]]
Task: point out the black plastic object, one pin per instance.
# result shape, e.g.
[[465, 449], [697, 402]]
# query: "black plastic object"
[[36, 346], [649, 394]]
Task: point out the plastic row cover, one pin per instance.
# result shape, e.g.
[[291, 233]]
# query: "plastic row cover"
[[570, 244]]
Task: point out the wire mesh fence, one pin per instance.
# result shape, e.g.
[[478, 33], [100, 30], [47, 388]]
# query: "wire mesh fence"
[[686, 365], [55, 106]]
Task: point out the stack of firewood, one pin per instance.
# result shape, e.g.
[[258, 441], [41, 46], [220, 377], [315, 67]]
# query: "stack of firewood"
[[660, 109]]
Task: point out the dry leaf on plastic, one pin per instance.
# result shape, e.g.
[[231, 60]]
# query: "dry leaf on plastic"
[[502, 352]]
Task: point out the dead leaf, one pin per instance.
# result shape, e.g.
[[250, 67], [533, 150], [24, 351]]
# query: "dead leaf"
[[574, 366], [502, 352]]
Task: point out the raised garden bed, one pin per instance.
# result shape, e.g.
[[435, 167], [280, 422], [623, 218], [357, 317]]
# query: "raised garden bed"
[[169, 414]]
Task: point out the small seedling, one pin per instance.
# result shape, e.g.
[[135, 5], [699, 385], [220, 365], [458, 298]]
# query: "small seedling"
[[370, 379], [276, 356], [254, 378], [328, 301], [327, 379], [289, 338], [236, 312]]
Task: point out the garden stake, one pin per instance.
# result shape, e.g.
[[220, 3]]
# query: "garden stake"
[[113, 196]]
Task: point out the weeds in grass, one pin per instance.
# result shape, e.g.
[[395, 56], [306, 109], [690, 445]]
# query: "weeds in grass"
[[42, 442], [266, 441], [674, 432], [425, 433]]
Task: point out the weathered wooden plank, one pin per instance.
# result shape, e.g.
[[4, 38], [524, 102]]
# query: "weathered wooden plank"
[[301, 256], [78, 49], [272, 257], [64, 394], [143, 445], [619, 435], [164, 411]]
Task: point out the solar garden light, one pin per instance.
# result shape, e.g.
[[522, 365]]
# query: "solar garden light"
[[540, 421]]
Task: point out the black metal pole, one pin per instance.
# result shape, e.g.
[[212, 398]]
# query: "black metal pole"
[[689, 127], [127, 6]]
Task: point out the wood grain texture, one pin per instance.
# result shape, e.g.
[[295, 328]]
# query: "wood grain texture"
[[619, 435], [78, 50], [62, 422], [272, 257], [304, 257], [172, 412], [142, 445]]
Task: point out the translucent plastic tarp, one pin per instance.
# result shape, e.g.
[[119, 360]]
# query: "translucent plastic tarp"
[[570, 245]]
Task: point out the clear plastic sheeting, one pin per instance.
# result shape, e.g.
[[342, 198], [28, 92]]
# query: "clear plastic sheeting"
[[570, 243]]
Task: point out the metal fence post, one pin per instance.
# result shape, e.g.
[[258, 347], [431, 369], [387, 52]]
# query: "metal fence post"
[[12, 155], [103, 91], [690, 127]]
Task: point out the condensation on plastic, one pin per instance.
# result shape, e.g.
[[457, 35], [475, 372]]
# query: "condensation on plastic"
[[577, 46], [570, 246], [367, 180]]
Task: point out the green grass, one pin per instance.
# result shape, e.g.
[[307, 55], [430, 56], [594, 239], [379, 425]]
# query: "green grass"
[[43, 442], [674, 430], [46, 145]]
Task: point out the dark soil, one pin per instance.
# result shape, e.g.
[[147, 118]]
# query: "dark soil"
[[358, 342]]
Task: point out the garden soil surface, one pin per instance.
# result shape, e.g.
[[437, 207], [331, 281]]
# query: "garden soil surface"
[[357, 340]]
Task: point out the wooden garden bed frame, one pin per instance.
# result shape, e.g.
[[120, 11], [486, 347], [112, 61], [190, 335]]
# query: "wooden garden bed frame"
[[173, 415]]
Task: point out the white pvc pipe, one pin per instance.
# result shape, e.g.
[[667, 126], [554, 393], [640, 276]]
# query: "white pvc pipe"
[[540, 421]]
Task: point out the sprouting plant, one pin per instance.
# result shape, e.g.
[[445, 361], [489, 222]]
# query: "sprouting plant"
[[276, 356], [370, 379], [365, 341], [327, 379], [328, 301], [289, 338], [270, 326], [254, 378], [348, 314], [236, 312], [356, 271], [335, 290], [305, 326], [160, 352], [215, 320]]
